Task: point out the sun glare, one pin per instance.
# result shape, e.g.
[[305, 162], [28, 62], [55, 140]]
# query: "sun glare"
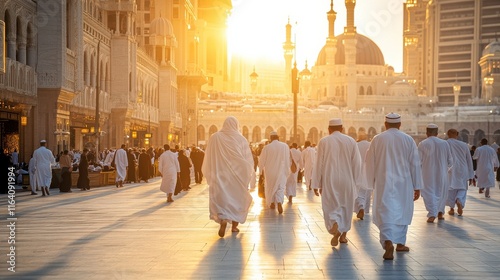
[[256, 28]]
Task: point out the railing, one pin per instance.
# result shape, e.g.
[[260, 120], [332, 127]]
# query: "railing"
[[69, 71], [19, 78], [86, 99]]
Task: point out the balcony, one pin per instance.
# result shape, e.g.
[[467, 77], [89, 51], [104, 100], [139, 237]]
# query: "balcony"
[[19, 78]]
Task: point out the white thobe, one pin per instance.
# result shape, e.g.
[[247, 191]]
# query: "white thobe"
[[168, 165], [121, 163], [393, 170], [436, 158], [31, 171], [338, 173], [308, 161], [364, 193], [487, 160], [228, 167], [108, 159], [43, 163], [461, 172], [275, 162], [291, 181]]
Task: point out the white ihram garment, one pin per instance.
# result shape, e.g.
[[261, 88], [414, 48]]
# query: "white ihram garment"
[[168, 165], [228, 168], [461, 172], [275, 162], [291, 181]]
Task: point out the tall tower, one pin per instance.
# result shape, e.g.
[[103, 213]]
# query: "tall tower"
[[288, 48], [413, 30], [458, 32], [350, 42], [331, 50]]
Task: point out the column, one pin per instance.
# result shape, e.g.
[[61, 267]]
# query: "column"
[[117, 31]]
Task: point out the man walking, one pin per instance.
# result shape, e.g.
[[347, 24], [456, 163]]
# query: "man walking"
[[275, 162], [228, 167], [121, 163], [436, 158], [363, 201], [337, 174], [291, 182], [487, 165], [308, 160], [393, 170], [43, 160], [197, 156], [169, 169], [461, 172]]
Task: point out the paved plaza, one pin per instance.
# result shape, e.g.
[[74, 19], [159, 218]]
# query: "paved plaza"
[[132, 233]]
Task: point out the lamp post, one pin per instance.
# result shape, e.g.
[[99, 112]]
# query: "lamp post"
[[97, 97], [295, 91]]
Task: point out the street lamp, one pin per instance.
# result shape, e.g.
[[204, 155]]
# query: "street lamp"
[[295, 91]]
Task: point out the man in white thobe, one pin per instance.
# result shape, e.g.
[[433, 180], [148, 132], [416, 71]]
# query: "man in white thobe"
[[461, 173], [308, 161], [291, 182], [275, 162], [363, 201], [337, 174], [436, 158], [121, 163], [43, 161], [487, 165], [393, 170], [170, 170], [228, 167]]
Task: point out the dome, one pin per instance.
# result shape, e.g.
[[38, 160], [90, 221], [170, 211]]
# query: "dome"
[[367, 52], [161, 27], [492, 48]]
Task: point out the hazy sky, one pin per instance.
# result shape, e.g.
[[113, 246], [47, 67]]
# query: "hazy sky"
[[256, 28]]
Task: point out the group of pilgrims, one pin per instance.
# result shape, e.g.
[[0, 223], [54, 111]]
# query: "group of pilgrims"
[[346, 173]]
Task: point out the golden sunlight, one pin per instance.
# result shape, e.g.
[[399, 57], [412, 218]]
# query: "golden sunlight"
[[256, 28]]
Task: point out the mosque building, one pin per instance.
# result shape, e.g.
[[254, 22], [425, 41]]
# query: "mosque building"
[[351, 80]]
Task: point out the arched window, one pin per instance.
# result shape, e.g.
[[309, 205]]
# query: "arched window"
[[361, 90], [369, 90]]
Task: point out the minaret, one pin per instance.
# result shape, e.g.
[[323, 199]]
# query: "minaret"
[[288, 48], [350, 55], [331, 50]]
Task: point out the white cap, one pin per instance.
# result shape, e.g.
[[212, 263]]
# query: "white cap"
[[335, 122], [393, 118], [273, 133], [431, 125], [43, 141]]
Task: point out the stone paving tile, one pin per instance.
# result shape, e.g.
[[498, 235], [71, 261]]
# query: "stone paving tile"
[[131, 233]]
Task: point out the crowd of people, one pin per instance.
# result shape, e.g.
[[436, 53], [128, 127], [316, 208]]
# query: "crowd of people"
[[346, 173]]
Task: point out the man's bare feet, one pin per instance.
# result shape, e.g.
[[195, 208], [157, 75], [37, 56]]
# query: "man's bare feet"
[[431, 219], [335, 239], [343, 237], [222, 228], [440, 216], [234, 227], [389, 250], [402, 248], [460, 209], [451, 212]]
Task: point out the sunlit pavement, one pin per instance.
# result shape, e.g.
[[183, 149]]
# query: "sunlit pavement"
[[132, 233]]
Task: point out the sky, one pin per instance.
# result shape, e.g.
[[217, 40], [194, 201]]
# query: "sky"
[[256, 28]]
